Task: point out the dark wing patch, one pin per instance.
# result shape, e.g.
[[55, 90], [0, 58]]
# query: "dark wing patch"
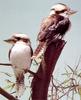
[[51, 21], [58, 30], [31, 51], [9, 52], [63, 26]]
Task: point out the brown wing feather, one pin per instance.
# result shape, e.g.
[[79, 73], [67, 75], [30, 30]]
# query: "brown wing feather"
[[44, 27], [48, 22]]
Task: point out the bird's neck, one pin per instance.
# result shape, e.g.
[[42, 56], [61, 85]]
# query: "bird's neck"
[[57, 17], [20, 42]]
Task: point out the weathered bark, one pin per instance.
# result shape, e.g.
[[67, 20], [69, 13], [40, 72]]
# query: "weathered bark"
[[40, 84]]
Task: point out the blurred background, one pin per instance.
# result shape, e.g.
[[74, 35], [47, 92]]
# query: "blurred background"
[[25, 16]]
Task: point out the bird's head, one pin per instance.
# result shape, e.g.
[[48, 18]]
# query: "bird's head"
[[18, 37], [61, 9]]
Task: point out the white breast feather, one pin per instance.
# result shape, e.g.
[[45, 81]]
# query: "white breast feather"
[[20, 56]]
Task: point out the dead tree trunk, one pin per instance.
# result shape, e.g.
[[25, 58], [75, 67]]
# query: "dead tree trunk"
[[40, 84]]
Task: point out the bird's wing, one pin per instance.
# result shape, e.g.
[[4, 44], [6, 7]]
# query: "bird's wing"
[[46, 23], [9, 52], [59, 29]]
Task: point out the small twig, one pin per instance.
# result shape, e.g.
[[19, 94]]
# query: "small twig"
[[7, 95], [7, 64], [65, 93], [78, 63]]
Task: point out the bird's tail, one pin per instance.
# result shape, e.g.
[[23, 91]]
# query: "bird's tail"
[[20, 85], [39, 52], [20, 88], [38, 49]]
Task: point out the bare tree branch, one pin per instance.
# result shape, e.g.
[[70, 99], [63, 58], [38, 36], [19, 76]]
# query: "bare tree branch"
[[7, 95], [7, 64]]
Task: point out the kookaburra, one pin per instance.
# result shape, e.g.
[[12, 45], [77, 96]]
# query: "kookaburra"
[[20, 58], [54, 26]]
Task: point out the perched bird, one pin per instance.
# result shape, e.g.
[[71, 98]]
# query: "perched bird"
[[20, 58], [54, 26]]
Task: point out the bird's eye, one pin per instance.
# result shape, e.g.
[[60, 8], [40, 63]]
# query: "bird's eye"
[[26, 40], [62, 11], [18, 38]]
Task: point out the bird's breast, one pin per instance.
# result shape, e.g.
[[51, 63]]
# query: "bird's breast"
[[20, 56]]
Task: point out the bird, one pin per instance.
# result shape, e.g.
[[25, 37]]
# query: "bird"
[[53, 27], [20, 59]]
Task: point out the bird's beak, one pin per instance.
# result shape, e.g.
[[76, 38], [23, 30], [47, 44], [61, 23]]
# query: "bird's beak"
[[71, 12], [11, 40]]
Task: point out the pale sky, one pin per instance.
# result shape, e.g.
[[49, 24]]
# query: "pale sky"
[[25, 16]]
